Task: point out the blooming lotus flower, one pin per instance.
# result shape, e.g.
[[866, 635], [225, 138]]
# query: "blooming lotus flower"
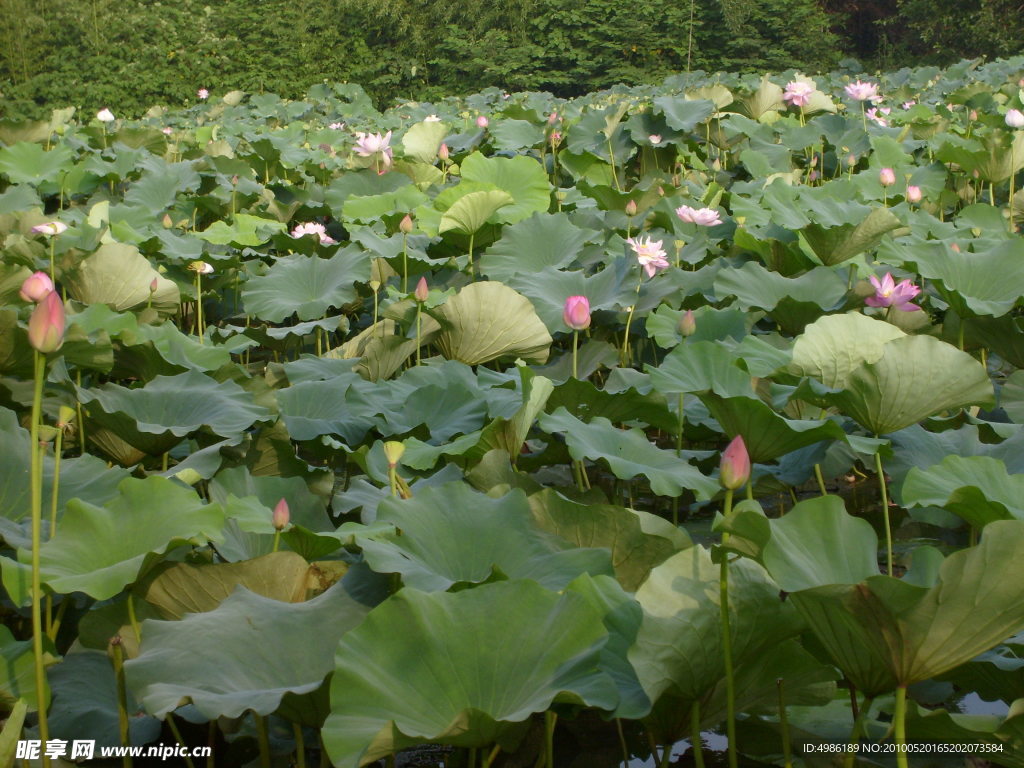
[[1015, 118], [889, 294], [50, 228], [908, 104], [914, 194], [555, 138], [167, 130], [887, 177], [859, 91], [281, 515], [203, 94], [431, 119], [105, 116], [875, 114], [649, 254], [314, 228], [734, 471], [798, 93], [202, 267], [368, 145], [35, 287], [553, 118], [687, 323], [421, 292], [702, 217], [336, 126], [482, 122], [576, 314], [46, 325], [654, 138]]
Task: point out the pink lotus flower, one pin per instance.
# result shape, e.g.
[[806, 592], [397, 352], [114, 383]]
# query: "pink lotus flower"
[[798, 93], [370, 144], [203, 94], [889, 294], [281, 515], [576, 314], [734, 471], [649, 254], [702, 217], [46, 325], [908, 104], [336, 126], [875, 114], [887, 177], [482, 122], [654, 138], [422, 291], [314, 228], [859, 91], [1015, 118], [914, 194], [553, 118], [167, 130], [405, 225], [35, 287], [50, 228], [442, 152], [555, 138]]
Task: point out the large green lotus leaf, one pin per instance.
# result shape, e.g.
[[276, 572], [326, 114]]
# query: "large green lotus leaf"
[[516, 135], [521, 177], [422, 140], [916, 377], [488, 320], [682, 113], [623, 406], [767, 98], [767, 434], [977, 488], [306, 285], [245, 230], [182, 588], [370, 208], [160, 184], [833, 347], [1002, 739], [629, 453], [454, 535], [550, 287], [119, 276], [678, 650], [28, 163], [509, 434], [84, 477], [445, 410], [699, 367], [757, 288], [817, 543], [634, 551], [472, 210], [988, 282], [155, 417], [834, 245], [445, 667], [993, 158], [529, 246], [314, 408], [1011, 396], [100, 550], [17, 670], [244, 655]]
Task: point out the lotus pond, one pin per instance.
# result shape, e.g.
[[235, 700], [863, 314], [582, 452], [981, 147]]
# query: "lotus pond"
[[508, 430]]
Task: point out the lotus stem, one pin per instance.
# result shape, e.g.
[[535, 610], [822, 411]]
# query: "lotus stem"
[[575, 341], [264, 739], [696, 742], [419, 330], [624, 354], [54, 279], [858, 724], [622, 742], [36, 482], [550, 720], [730, 681], [611, 156], [117, 656], [199, 306], [78, 409], [787, 752], [885, 513], [899, 724], [177, 737], [277, 538], [132, 620], [300, 746], [405, 263], [821, 480], [472, 266], [491, 757]]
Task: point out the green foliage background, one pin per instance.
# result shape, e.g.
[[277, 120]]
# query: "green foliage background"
[[132, 54]]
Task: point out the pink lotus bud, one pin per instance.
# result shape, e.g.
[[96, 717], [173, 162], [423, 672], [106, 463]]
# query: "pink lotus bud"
[[913, 194], [50, 228], [35, 287], [734, 471], [482, 122], [654, 138], [406, 224], [152, 285], [421, 292], [687, 323], [556, 138], [442, 151], [851, 160], [281, 515], [46, 326], [552, 118], [887, 176], [576, 314], [1015, 118], [631, 208], [955, 247]]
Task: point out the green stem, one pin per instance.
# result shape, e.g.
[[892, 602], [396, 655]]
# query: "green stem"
[[899, 724], [54, 279], [575, 369], [730, 681], [611, 156], [199, 307], [300, 746], [405, 263], [78, 408], [787, 752], [177, 737], [132, 620], [850, 758], [472, 266], [58, 449], [624, 354], [550, 719], [36, 483], [264, 739], [622, 741], [419, 309], [696, 742], [821, 480], [885, 512], [277, 540], [490, 758], [117, 655]]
